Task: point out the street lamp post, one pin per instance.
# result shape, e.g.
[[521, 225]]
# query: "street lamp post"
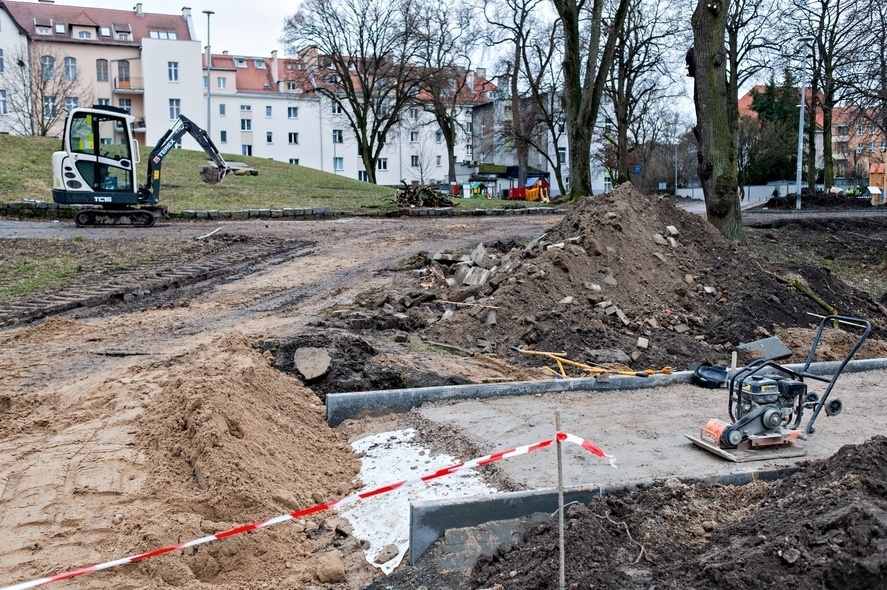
[[209, 115], [801, 129]]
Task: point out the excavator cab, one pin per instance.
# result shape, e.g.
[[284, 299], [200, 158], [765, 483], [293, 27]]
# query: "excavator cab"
[[98, 164]]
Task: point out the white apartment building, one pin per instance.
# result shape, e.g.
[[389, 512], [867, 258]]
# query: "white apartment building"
[[264, 107]]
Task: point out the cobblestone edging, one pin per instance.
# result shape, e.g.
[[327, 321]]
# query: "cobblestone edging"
[[45, 210]]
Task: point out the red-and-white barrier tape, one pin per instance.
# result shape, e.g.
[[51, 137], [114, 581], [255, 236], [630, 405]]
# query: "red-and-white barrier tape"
[[352, 499]]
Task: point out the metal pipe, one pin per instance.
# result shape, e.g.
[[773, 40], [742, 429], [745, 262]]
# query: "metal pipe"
[[801, 129], [209, 58]]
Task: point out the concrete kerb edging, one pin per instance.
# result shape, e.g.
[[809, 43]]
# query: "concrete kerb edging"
[[430, 519], [347, 406], [46, 210]]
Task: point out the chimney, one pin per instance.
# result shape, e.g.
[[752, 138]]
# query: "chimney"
[[138, 9], [186, 12], [225, 52], [47, 1], [469, 80], [274, 67], [481, 72]]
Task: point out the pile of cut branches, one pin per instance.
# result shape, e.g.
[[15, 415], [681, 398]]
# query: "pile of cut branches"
[[422, 196]]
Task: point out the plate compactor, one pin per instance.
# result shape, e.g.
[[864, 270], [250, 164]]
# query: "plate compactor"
[[767, 402]]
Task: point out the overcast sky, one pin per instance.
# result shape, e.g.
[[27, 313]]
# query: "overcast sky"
[[251, 28]]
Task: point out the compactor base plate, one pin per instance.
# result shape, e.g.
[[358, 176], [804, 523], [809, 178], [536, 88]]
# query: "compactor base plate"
[[745, 455]]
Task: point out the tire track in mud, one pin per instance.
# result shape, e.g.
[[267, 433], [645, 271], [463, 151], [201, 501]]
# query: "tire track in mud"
[[143, 282]]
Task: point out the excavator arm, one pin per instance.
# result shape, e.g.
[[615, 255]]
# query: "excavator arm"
[[169, 140]]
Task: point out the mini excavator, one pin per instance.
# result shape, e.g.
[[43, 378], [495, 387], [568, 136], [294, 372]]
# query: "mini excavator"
[[97, 167], [767, 401]]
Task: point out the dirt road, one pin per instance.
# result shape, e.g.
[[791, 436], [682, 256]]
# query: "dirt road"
[[76, 391]]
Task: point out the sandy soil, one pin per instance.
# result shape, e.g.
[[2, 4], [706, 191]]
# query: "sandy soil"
[[125, 429]]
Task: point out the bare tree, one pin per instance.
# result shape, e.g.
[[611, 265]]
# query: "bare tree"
[[451, 35], [836, 40], [589, 45], [365, 57], [512, 23], [707, 63], [40, 82], [639, 80]]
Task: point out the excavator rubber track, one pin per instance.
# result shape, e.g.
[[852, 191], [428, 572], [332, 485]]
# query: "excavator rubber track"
[[115, 217]]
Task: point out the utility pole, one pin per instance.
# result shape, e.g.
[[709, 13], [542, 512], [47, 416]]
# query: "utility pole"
[[209, 57]]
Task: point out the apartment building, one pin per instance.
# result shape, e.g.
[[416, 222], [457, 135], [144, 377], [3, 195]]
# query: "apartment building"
[[856, 145], [148, 64], [266, 107]]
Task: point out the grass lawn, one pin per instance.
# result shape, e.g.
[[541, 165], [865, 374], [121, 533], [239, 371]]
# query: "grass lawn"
[[26, 173]]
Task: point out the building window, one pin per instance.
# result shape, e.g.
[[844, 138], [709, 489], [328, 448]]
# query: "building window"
[[172, 71], [71, 103], [246, 124], [268, 111], [293, 138], [469, 127], [292, 112], [363, 176], [871, 129], [414, 137], [49, 111], [206, 81], [438, 137], [872, 147], [123, 72], [43, 31], [105, 31], [338, 163], [104, 102], [337, 108], [291, 86], [47, 66], [259, 63], [294, 161], [221, 82], [562, 155], [469, 150], [338, 136], [70, 68], [439, 161], [246, 150], [383, 164], [2, 63], [3, 110], [414, 161], [414, 113], [101, 70], [246, 107], [123, 36], [223, 136], [162, 34], [884, 145], [222, 110], [240, 62], [125, 104], [269, 137], [860, 130], [175, 108], [84, 35]]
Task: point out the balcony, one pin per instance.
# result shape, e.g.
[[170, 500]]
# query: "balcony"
[[129, 86]]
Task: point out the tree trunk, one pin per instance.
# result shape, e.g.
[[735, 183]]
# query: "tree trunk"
[[717, 153]]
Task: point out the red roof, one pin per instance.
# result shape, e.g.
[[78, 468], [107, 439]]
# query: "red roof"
[[26, 14], [745, 101]]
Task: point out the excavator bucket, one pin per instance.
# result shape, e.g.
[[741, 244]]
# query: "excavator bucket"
[[210, 174]]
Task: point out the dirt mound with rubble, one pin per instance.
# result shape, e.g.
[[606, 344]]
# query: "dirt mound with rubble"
[[631, 279], [822, 527]]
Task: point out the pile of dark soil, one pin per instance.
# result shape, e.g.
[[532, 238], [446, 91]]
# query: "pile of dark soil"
[[693, 297], [823, 527], [819, 200]]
